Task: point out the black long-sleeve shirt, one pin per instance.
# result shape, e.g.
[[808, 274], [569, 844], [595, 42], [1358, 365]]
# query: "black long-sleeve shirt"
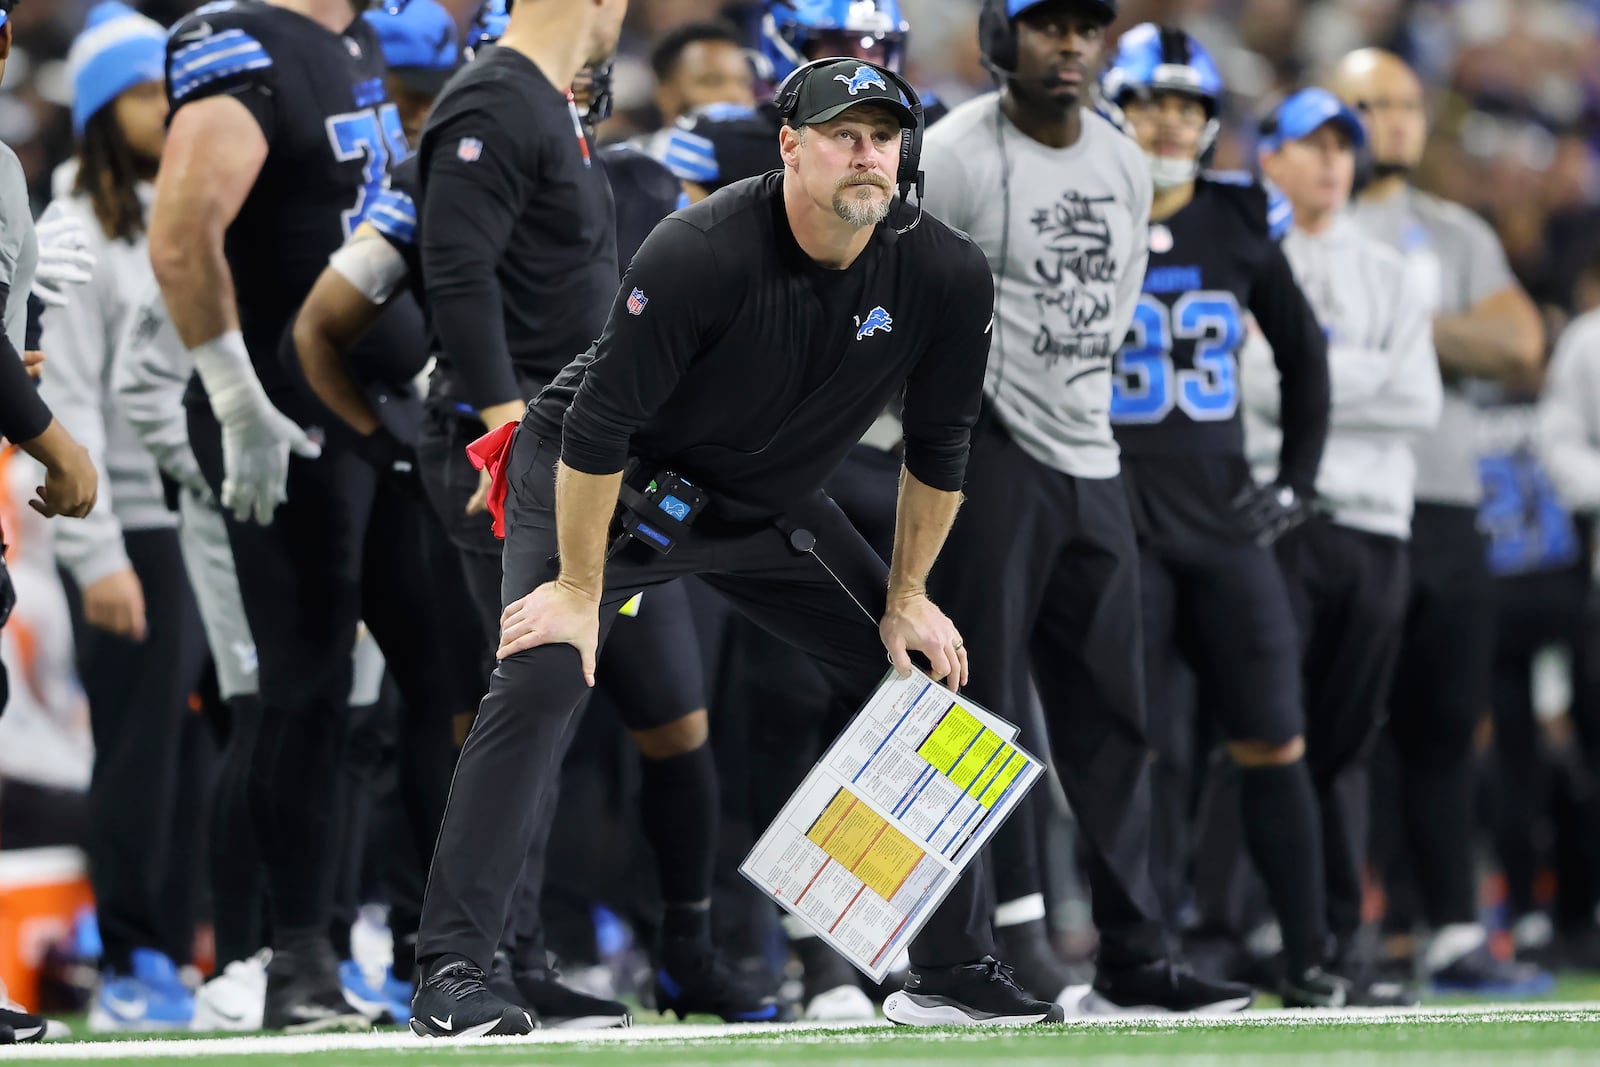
[[733, 357], [23, 415], [517, 232]]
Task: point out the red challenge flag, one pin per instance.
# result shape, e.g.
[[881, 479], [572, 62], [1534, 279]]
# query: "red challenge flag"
[[492, 452]]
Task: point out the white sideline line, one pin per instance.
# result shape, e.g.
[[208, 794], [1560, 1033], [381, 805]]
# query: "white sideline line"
[[797, 1033]]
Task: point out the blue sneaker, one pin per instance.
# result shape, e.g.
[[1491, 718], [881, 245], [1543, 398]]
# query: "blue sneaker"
[[153, 997], [708, 986], [388, 1000], [1481, 974]]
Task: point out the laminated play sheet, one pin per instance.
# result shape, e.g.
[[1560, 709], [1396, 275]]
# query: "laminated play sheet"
[[882, 827]]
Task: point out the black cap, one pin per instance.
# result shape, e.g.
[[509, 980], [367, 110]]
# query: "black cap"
[[836, 87]]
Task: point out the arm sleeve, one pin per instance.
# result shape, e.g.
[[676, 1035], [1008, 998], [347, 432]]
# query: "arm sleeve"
[[149, 373], [23, 415], [945, 388], [469, 208], [1567, 435], [215, 56], [1300, 350], [640, 357], [76, 339], [1393, 387]]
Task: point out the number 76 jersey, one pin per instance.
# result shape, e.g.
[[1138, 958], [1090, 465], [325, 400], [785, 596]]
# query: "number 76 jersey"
[[1213, 265], [332, 134]]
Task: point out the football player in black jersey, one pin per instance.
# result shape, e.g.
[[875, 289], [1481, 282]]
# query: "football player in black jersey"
[[280, 138], [363, 278], [1214, 599]]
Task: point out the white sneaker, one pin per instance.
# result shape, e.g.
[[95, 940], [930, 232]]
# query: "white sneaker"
[[236, 999], [841, 1004]]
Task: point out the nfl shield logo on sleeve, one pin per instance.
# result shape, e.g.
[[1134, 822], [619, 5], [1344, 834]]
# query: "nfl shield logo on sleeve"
[[469, 150], [636, 302]]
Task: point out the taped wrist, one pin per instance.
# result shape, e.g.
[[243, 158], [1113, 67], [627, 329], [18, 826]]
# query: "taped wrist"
[[225, 370]]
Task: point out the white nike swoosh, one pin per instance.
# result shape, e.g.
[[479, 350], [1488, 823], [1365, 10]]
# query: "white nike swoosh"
[[127, 1008], [445, 1023], [202, 30]]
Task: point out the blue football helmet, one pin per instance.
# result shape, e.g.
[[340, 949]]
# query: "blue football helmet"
[[487, 25], [794, 32], [1154, 59]]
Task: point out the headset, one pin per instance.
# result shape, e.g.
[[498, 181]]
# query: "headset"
[[787, 101], [997, 38]]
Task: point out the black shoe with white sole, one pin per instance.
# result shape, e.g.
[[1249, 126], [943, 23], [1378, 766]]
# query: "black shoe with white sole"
[[18, 1026], [1316, 988], [304, 994], [455, 1001], [557, 1005], [972, 994], [1162, 987]]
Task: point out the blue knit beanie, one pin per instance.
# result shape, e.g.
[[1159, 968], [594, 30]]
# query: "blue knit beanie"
[[118, 49]]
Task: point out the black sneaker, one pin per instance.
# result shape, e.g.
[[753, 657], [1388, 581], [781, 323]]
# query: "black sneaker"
[[456, 1001], [1160, 988], [304, 994], [1026, 946], [18, 1026], [558, 1006], [1369, 988], [706, 985], [1316, 988], [971, 994]]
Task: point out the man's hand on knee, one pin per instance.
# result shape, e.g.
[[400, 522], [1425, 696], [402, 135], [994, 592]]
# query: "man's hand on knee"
[[553, 614], [914, 624]]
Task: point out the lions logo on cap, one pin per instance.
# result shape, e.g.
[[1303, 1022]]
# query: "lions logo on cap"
[[863, 79]]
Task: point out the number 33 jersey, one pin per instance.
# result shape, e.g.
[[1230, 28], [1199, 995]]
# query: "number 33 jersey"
[[331, 135], [1176, 391]]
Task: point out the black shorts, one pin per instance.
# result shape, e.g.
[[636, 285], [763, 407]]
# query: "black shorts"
[[652, 668], [1225, 615], [1214, 601]]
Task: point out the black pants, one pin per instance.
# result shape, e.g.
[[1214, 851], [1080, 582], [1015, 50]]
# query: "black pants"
[[1533, 612], [504, 787], [346, 545], [1441, 693], [653, 671], [450, 481], [138, 702], [1041, 571]]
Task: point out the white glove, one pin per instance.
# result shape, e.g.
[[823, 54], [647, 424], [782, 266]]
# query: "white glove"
[[256, 437], [64, 260]]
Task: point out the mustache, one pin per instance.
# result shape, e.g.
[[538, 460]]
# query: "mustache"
[[876, 180]]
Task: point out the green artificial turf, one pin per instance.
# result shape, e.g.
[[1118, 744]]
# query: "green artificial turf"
[[1528, 1035]]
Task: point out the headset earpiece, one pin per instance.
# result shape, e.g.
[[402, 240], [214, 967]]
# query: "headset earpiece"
[[997, 38]]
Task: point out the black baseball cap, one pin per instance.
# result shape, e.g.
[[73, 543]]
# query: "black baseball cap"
[[839, 85]]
